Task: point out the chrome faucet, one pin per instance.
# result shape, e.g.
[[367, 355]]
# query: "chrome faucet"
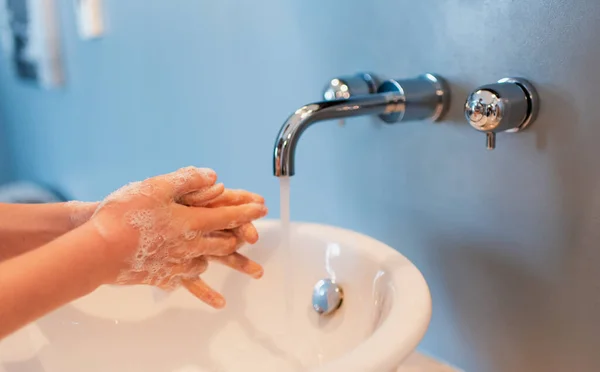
[[424, 97]]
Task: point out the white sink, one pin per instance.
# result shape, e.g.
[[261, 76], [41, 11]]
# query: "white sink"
[[384, 315]]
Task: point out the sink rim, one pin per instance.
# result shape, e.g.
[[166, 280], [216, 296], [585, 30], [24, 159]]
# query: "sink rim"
[[409, 318], [401, 331]]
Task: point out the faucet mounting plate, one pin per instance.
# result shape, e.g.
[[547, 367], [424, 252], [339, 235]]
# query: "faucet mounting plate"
[[425, 97]]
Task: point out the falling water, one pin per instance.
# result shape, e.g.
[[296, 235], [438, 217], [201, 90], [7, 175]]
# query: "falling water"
[[300, 351], [286, 249]]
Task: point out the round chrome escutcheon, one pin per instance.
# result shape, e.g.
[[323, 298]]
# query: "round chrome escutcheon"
[[327, 296]]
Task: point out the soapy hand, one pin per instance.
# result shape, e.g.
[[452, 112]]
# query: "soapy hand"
[[217, 196], [164, 230], [214, 197]]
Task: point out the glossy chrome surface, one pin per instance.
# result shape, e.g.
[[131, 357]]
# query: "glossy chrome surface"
[[510, 105], [425, 97], [344, 87], [296, 124], [533, 101], [327, 297]]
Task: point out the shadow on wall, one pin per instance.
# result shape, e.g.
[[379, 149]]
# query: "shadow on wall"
[[507, 314], [517, 314]]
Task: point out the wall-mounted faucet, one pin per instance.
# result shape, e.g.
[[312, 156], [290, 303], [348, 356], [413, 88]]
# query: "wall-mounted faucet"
[[510, 105], [351, 86], [424, 97]]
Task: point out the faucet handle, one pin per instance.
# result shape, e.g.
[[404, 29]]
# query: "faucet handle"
[[510, 105], [344, 87]]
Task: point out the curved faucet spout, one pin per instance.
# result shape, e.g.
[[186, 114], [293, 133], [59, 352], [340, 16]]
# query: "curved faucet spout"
[[396, 100], [299, 121]]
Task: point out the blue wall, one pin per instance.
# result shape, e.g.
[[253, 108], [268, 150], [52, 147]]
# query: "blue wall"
[[6, 171], [508, 240]]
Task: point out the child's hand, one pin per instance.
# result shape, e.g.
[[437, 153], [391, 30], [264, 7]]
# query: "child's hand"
[[157, 240]]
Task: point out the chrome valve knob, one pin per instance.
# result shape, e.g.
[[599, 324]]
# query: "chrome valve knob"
[[345, 87], [510, 105]]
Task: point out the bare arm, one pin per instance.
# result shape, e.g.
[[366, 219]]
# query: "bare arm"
[[140, 234], [24, 227], [39, 281]]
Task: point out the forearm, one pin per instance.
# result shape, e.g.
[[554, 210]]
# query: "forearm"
[[35, 283], [24, 227]]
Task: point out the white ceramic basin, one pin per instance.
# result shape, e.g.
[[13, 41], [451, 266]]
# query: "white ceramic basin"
[[385, 313]]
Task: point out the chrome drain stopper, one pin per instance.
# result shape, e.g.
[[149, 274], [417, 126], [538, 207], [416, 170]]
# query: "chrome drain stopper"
[[327, 296]]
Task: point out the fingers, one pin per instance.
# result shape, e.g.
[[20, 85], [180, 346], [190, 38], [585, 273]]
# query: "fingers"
[[240, 263], [80, 212], [198, 288], [167, 275], [189, 179], [218, 243], [233, 197], [224, 218], [247, 232], [190, 269], [236, 261], [216, 196], [201, 197]]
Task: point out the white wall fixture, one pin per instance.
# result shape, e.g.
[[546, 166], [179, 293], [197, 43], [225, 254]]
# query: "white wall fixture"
[[29, 32], [90, 20]]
